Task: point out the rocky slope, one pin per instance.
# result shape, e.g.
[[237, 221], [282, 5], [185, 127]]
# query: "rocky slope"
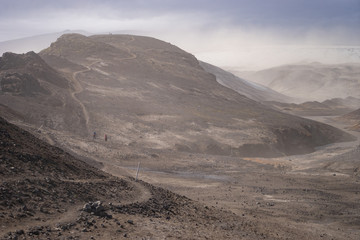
[[39, 93], [311, 82], [47, 193], [150, 95]]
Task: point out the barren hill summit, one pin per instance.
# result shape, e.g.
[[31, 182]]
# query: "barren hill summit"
[[149, 95], [80, 48]]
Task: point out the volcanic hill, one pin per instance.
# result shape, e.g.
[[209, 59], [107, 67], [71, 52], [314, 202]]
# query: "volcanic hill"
[[148, 94]]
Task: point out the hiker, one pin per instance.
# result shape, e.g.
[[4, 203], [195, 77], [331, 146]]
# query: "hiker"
[[105, 137], [94, 135]]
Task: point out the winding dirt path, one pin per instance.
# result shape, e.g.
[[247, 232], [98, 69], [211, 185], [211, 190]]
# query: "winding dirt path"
[[133, 55], [78, 89], [71, 213]]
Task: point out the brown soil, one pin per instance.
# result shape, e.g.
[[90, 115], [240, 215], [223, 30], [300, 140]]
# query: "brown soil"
[[43, 191]]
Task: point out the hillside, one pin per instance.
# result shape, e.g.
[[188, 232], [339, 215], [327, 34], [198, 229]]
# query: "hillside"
[[249, 89], [152, 95], [39, 93], [311, 82], [44, 191]]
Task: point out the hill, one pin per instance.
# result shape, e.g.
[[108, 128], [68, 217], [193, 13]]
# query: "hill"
[[311, 82], [149, 95]]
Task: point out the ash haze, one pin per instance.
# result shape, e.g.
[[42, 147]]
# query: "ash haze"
[[242, 34]]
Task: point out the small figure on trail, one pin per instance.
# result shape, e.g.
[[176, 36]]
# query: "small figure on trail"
[[105, 137], [94, 135]]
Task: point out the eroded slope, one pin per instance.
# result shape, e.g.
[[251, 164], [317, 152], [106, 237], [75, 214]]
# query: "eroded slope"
[[150, 94]]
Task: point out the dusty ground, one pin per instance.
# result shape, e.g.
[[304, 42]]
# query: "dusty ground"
[[312, 196], [309, 196], [45, 193]]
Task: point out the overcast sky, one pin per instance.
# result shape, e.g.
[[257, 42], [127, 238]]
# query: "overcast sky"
[[192, 24]]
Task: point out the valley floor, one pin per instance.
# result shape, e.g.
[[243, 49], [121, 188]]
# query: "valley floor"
[[312, 196]]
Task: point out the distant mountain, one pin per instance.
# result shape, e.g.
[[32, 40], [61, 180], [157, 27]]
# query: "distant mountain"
[[355, 115], [257, 58], [34, 43], [330, 107], [149, 95], [311, 82], [249, 89]]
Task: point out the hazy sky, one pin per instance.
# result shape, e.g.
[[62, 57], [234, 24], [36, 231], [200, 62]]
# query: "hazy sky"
[[192, 24]]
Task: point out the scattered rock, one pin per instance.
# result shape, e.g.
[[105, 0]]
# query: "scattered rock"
[[20, 232], [96, 208]]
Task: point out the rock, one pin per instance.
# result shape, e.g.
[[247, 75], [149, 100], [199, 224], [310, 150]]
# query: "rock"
[[20, 232], [130, 222], [96, 208], [34, 232], [87, 207]]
